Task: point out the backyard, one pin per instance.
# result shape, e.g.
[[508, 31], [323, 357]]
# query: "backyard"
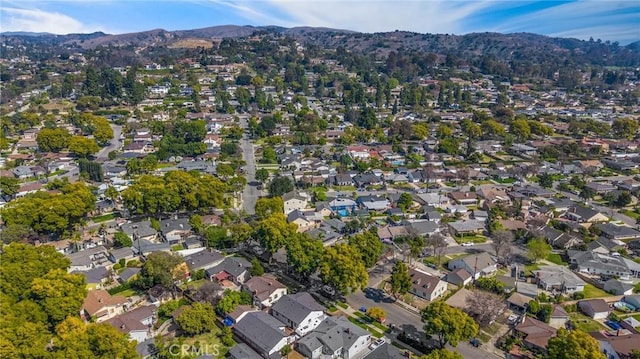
[[585, 323], [591, 291]]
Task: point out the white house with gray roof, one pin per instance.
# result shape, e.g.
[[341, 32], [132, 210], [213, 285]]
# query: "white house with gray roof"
[[299, 311], [558, 279], [263, 333], [477, 265], [335, 337]]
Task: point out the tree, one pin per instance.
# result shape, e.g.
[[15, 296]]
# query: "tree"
[[196, 223], [438, 245], [501, 241], [111, 193], [442, 354], [400, 279], [224, 170], [83, 146], [268, 206], [485, 307], [279, 186], [9, 186], [545, 180], [15, 233], [520, 129], [121, 240], [274, 232], [376, 313], [343, 269], [197, 319], [537, 249], [58, 293], [450, 325], [625, 128], [231, 299], [574, 344], [216, 237], [262, 175], [269, 155], [368, 245], [405, 201], [256, 269], [161, 268], [304, 254], [53, 139], [75, 339]]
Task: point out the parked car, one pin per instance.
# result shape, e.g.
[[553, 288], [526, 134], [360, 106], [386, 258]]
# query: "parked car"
[[467, 244], [376, 344]]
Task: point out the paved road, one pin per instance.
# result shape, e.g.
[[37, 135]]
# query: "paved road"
[[251, 192], [114, 145]]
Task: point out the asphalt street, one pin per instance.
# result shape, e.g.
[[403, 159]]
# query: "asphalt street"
[[114, 145], [251, 192]]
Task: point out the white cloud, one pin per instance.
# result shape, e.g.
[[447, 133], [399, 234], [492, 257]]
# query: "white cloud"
[[35, 20]]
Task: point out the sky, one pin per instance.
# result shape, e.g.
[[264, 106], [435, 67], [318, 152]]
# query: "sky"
[[613, 20]]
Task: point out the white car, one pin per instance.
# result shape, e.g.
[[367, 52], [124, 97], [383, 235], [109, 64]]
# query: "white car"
[[377, 343], [467, 244]]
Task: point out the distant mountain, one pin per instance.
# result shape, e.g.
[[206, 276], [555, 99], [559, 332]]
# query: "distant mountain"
[[471, 48], [25, 33]]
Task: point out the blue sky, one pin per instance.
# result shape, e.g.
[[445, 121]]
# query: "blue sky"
[[612, 20]]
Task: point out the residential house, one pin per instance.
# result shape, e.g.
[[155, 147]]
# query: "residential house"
[[294, 200], [618, 232], [595, 308], [140, 230], [88, 259], [136, 323], [631, 324], [174, 229], [469, 227], [367, 179], [600, 187], [423, 228], [343, 179], [242, 351], [300, 220], [434, 200], [478, 265], [583, 214], [617, 287], [335, 337], [534, 333], [559, 317], [23, 172], [389, 233], [264, 333], [617, 346], [100, 306], [203, 260], [464, 198], [386, 351], [96, 277], [519, 301], [459, 277], [342, 204], [373, 203], [158, 294], [560, 279], [265, 290], [240, 312], [299, 312], [426, 286], [234, 269], [127, 274], [115, 255]]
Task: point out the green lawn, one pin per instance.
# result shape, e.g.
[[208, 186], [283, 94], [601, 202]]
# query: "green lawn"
[[474, 239], [592, 292], [529, 268], [556, 259], [344, 188], [584, 323], [209, 343], [104, 218], [630, 213], [636, 316], [342, 305], [373, 332]]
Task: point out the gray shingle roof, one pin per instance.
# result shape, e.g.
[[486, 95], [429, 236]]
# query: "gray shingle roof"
[[296, 307], [334, 334], [243, 351], [203, 259], [261, 329]]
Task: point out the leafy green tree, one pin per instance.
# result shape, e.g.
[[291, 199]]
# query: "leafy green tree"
[[53, 139], [400, 280], [574, 344], [274, 232], [279, 186], [625, 128], [545, 180], [376, 313], [197, 319], [196, 223], [59, 294], [111, 193], [304, 254], [262, 175], [442, 354], [231, 299], [75, 339], [368, 245], [405, 201], [216, 237], [83, 146], [450, 325], [268, 206], [160, 268], [537, 249], [15, 233], [256, 269], [224, 170], [103, 132], [9, 186], [342, 268], [121, 240], [520, 129]]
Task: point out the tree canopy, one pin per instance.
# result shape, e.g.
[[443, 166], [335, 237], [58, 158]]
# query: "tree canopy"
[[342, 268], [574, 344], [450, 325], [368, 245], [161, 268], [400, 280], [197, 319]]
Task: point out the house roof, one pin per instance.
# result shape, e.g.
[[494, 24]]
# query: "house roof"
[[519, 300], [132, 320], [235, 266], [261, 329], [537, 333], [557, 275], [203, 259], [424, 227], [95, 275], [422, 282], [296, 307], [460, 274], [480, 260], [623, 345], [617, 231], [334, 333], [98, 299], [597, 305], [559, 312], [385, 351], [241, 309], [467, 226], [129, 273], [263, 286], [293, 195], [243, 351]]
